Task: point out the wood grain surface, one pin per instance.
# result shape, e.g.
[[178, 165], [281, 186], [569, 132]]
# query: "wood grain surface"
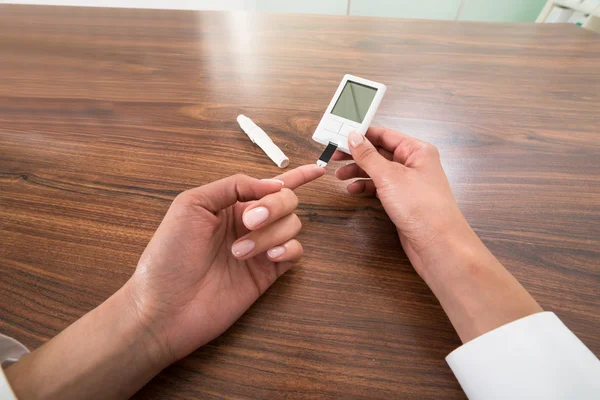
[[107, 114]]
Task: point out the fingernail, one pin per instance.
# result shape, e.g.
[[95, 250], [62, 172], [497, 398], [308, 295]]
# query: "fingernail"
[[243, 247], [355, 139], [255, 217], [274, 180], [276, 252]]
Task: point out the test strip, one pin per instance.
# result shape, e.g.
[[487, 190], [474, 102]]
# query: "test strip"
[[327, 154]]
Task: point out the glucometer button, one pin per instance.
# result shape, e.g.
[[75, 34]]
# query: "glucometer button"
[[332, 125], [346, 129]]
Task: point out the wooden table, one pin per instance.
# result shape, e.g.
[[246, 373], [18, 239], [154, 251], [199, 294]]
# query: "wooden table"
[[107, 114]]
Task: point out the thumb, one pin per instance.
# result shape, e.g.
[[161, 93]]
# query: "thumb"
[[226, 192], [367, 157]]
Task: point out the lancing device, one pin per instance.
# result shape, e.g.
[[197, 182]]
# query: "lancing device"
[[262, 140]]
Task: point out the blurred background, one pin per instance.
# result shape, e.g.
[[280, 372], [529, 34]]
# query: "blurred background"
[[570, 11], [469, 10]]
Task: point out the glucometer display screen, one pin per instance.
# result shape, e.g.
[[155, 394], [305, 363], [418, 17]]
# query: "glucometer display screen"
[[354, 101]]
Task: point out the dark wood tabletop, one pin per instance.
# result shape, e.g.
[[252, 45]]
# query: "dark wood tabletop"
[[107, 114]]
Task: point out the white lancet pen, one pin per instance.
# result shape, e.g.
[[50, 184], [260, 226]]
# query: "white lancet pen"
[[262, 140]]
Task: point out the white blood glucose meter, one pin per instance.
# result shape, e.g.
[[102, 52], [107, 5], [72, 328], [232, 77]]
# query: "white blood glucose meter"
[[352, 108]]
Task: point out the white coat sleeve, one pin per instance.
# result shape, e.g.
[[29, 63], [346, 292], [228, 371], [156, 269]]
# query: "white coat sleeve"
[[6, 392], [11, 351], [536, 357]]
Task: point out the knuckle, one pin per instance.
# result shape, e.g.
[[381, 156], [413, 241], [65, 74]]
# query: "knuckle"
[[183, 198], [278, 202], [431, 150], [240, 177], [283, 201], [290, 196]]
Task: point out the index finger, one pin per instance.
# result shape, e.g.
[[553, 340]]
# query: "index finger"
[[301, 175]]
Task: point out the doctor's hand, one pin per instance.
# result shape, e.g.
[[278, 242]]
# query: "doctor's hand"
[[406, 175], [218, 248]]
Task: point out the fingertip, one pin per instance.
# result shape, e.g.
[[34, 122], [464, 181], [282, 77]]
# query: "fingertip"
[[312, 172], [320, 171], [291, 250], [355, 188], [355, 139], [362, 187], [301, 175], [350, 171], [253, 217], [243, 248], [337, 173], [345, 172], [276, 252]]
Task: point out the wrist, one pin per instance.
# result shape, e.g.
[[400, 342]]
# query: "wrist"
[[449, 250], [475, 290], [108, 353], [145, 327]]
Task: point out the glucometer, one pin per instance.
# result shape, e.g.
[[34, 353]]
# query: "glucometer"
[[352, 108]]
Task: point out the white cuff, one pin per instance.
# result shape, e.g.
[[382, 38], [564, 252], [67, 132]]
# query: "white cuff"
[[6, 392], [536, 357], [11, 351]]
